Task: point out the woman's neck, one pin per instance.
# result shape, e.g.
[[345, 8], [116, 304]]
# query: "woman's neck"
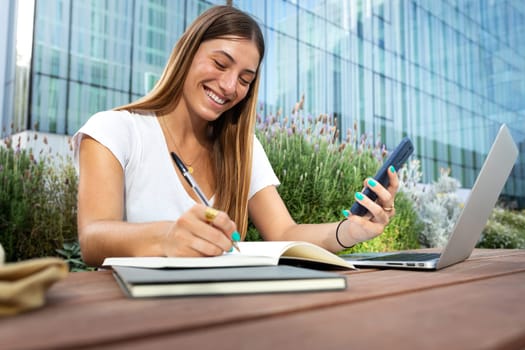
[[188, 130]]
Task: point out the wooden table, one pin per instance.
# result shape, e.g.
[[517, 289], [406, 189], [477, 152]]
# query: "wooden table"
[[477, 304]]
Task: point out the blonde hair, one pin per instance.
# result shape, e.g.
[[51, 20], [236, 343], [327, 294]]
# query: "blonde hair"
[[232, 134]]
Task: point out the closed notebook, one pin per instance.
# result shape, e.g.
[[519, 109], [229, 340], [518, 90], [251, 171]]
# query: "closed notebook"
[[147, 282]]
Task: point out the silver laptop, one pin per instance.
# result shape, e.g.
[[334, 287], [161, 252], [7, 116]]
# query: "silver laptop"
[[471, 221]]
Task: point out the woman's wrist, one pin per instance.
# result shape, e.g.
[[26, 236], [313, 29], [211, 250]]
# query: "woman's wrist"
[[165, 241], [340, 236]]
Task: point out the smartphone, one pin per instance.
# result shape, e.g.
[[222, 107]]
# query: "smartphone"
[[397, 158]]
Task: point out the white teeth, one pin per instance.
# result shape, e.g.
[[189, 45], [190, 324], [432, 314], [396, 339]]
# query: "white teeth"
[[215, 97]]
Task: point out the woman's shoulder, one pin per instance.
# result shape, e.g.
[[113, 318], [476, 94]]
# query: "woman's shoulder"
[[121, 132], [257, 145], [113, 115], [119, 119]]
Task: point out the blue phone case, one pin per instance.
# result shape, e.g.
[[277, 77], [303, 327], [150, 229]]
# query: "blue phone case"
[[397, 158]]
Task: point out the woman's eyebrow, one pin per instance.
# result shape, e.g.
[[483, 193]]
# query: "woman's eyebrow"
[[230, 57]]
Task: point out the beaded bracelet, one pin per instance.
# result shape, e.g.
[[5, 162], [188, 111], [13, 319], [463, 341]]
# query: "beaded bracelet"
[[337, 235]]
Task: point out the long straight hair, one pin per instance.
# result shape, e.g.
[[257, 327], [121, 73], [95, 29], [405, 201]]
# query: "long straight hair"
[[233, 132]]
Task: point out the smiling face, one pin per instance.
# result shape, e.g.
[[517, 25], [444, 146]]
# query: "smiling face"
[[219, 77]]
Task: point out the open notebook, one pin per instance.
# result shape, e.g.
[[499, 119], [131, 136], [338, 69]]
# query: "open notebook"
[[252, 254], [471, 221]]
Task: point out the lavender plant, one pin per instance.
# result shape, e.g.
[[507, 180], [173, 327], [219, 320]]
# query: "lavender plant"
[[37, 201], [320, 174]]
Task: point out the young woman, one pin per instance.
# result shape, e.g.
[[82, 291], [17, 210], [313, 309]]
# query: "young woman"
[[133, 199]]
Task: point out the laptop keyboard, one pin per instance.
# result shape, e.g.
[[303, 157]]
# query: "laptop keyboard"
[[408, 257]]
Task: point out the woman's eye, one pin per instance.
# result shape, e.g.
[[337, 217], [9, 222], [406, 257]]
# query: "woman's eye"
[[219, 64], [244, 81]]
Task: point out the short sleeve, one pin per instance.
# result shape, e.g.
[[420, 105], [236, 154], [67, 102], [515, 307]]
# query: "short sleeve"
[[112, 129], [262, 171]]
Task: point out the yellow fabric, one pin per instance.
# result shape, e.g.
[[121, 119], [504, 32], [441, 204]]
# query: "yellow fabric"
[[23, 284]]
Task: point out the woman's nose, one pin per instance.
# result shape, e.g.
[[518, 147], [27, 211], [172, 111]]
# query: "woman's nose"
[[228, 83]]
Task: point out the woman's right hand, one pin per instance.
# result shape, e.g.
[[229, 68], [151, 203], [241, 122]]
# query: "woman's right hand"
[[201, 231]]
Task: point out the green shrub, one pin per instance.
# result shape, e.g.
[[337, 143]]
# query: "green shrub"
[[505, 229], [37, 202], [319, 176]]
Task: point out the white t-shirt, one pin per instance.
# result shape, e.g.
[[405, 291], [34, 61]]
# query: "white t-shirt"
[[154, 192]]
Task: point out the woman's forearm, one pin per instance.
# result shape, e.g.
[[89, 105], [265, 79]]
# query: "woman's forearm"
[[108, 238]]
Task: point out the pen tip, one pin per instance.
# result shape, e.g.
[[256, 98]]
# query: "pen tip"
[[236, 246]]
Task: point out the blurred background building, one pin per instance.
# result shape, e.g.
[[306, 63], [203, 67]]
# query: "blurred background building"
[[447, 73]]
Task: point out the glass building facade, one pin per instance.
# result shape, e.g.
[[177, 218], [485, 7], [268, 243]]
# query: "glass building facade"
[[447, 73]]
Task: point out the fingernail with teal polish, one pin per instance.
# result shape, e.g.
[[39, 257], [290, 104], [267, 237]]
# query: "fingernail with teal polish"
[[236, 236], [231, 250], [345, 212], [359, 196], [372, 182], [392, 169]]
